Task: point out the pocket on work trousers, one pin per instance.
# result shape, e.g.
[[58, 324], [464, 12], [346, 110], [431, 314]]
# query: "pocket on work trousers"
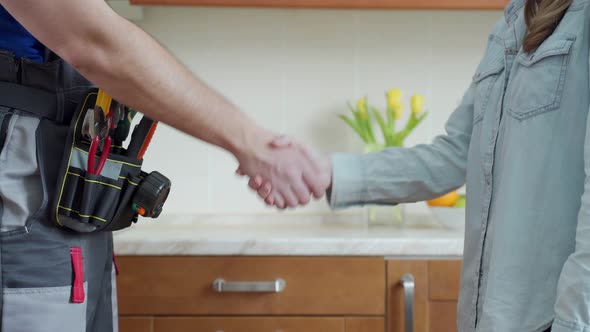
[[42, 309]]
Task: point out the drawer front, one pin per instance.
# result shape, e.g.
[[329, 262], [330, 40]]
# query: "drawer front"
[[444, 279], [365, 325], [314, 286], [258, 324], [136, 324]]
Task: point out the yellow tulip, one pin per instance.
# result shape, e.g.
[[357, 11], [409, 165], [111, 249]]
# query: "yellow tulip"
[[394, 102], [361, 105], [417, 104], [394, 98]]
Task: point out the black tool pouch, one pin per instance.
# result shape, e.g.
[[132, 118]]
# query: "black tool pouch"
[[90, 203]]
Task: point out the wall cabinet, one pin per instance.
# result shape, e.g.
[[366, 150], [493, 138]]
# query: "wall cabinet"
[[287, 294], [362, 4]]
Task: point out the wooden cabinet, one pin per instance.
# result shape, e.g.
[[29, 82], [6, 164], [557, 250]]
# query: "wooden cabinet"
[[443, 289], [322, 294], [396, 269], [435, 294], [369, 4]]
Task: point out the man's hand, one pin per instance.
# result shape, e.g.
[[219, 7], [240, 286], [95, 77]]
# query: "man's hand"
[[301, 173]]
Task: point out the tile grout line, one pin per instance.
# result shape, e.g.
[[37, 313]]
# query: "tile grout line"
[[356, 63], [283, 77]]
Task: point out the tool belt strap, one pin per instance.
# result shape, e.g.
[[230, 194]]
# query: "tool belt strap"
[[28, 99]]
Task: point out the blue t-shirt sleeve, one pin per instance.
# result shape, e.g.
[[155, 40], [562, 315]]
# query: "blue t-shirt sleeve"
[[15, 38]]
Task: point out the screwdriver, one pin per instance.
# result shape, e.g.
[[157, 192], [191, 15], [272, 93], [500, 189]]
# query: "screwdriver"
[[103, 100], [141, 137]]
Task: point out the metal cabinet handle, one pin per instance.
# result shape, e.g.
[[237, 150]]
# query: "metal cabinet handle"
[[408, 283], [276, 286]]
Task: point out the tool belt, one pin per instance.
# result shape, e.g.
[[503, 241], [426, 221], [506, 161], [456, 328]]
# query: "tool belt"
[[87, 188]]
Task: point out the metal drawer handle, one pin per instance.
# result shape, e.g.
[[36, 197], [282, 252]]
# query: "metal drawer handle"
[[276, 286], [408, 283]]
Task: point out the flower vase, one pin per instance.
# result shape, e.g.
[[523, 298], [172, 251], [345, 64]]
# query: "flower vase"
[[388, 215]]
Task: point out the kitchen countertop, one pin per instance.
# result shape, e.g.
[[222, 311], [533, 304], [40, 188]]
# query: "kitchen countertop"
[[286, 235]]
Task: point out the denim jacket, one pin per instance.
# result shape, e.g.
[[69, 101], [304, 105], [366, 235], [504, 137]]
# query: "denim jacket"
[[520, 141]]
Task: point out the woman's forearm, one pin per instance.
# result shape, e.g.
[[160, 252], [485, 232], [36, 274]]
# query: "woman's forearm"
[[402, 175]]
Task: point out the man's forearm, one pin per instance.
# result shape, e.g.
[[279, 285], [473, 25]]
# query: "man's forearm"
[[132, 67], [155, 83]]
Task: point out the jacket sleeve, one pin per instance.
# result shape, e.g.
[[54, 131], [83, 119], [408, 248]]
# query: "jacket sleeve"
[[403, 175], [572, 307]]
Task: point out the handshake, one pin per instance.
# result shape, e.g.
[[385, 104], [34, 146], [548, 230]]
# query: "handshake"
[[285, 173]]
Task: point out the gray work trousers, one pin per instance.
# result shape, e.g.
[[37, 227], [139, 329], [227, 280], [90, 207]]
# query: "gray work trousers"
[[53, 279]]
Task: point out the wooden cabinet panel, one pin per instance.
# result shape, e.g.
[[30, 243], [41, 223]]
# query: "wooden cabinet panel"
[[257, 324], [444, 278], [392, 4], [136, 324], [315, 286], [396, 269], [443, 316], [365, 325]]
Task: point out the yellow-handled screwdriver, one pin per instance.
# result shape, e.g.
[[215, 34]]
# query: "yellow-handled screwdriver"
[[96, 119], [103, 100]]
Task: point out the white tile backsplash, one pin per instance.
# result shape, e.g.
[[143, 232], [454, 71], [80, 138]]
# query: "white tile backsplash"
[[318, 70], [294, 70]]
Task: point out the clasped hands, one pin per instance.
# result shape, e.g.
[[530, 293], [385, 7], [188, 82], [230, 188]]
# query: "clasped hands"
[[286, 173]]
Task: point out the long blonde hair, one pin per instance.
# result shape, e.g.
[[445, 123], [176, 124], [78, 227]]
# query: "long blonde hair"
[[542, 17]]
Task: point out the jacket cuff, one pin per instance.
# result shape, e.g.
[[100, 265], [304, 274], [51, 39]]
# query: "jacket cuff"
[[563, 326], [348, 181]]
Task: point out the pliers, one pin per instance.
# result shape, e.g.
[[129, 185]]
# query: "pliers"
[[103, 157]]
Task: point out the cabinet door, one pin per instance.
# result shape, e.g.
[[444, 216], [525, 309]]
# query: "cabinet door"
[[443, 316], [396, 270], [136, 324], [444, 278], [249, 324]]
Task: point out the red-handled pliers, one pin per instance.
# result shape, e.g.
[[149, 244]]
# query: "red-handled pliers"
[[103, 157]]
